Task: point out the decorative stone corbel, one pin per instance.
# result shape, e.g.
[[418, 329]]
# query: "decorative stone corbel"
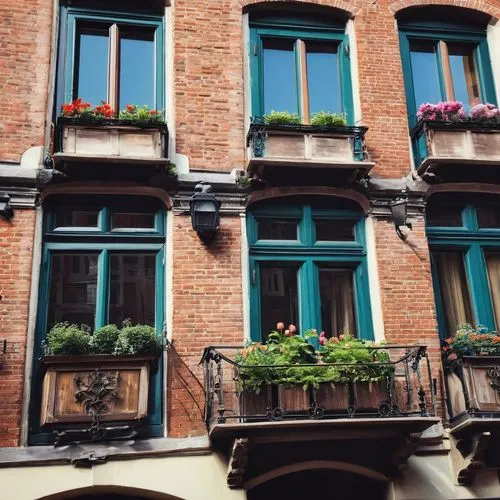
[[238, 461], [471, 456]]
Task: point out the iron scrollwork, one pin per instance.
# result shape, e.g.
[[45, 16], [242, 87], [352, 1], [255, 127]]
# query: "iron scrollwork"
[[494, 374]]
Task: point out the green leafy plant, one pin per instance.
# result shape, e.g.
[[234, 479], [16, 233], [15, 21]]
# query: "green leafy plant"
[[140, 114], [326, 119], [103, 340], [137, 339], [65, 338], [470, 341], [281, 118]]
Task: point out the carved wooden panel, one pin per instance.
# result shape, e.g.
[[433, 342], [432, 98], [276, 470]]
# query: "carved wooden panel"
[[118, 390], [482, 377], [331, 148], [486, 145], [455, 394], [285, 146]]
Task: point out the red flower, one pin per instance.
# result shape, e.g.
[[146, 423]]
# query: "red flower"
[[153, 112], [130, 108]]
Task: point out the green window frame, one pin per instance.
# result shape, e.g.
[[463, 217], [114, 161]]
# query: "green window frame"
[[103, 241], [473, 242], [72, 17], [442, 34], [308, 255], [298, 30]]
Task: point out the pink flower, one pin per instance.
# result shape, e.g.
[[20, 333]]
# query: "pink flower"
[[292, 328], [341, 337], [287, 333], [322, 338], [280, 326]]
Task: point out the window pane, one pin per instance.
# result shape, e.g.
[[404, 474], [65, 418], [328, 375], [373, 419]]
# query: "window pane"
[[272, 229], [493, 265], [278, 298], [337, 302], [454, 289], [323, 78], [445, 216], [131, 220], [91, 64], [132, 288], [464, 75], [76, 218], [488, 217], [334, 230], [73, 285], [424, 70], [280, 80], [137, 67]]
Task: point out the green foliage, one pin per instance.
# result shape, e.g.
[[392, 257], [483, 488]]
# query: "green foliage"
[[140, 114], [282, 118], [104, 339], [470, 341], [354, 354], [64, 338], [138, 339], [326, 119]]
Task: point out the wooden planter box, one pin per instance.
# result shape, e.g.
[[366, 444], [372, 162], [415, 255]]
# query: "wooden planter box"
[[333, 396], [75, 387], [481, 386], [293, 398], [369, 395], [111, 139], [456, 143], [307, 146], [252, 403]]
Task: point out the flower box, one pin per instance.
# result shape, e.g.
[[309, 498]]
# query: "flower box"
[[333, 396], [462, 142], [75, 388], [293, 398], [253, 403], [307, 146], [111, 139], [369, 395]]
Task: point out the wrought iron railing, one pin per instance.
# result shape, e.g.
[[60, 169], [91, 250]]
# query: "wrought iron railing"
[[405, 389]]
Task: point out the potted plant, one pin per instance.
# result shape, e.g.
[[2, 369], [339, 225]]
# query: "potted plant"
[[471, 359], [135, 131], [103, 375]]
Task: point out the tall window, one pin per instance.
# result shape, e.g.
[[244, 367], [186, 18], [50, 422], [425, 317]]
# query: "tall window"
[[445, 62], [111, 57], [300, 66], [308, 267], [102, 263], [464, 238]]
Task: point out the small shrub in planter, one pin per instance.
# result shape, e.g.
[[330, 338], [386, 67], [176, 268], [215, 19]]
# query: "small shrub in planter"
[[138, 339], [103, 340], [64, 338], [470, 341], [140, 114], [326, 119], [282, 118]]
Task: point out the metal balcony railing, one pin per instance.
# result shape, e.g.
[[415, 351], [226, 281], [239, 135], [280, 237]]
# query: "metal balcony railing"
[[402, 387]]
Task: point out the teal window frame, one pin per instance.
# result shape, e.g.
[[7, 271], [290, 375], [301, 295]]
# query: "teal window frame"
[[304, 29], [104, 242], [70, 16], [473, 241], [309, 255], [451, 34]]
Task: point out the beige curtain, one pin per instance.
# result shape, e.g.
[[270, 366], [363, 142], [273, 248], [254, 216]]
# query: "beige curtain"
[[454, 289], [493, 265]]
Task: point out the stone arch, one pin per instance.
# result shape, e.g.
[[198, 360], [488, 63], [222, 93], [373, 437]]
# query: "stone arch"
[[111, 492], [481, 6], [456, 187], [350, 9], [280, 192]]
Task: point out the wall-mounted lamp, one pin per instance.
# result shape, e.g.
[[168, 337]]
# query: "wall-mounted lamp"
[[399, 208], [5, 209], [205, 211]]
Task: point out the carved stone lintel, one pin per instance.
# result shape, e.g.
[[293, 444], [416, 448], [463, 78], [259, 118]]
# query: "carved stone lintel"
[[472, 449], [238, 462]]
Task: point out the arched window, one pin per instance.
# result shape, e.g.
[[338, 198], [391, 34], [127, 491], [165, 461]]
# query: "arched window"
[[308, 267], [464, 238]]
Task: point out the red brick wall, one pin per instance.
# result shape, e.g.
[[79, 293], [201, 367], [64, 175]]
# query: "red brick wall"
[[16, 246], [25, 35], [207, 310]]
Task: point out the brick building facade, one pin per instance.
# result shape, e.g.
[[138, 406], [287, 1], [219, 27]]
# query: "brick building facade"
[[203, 76]]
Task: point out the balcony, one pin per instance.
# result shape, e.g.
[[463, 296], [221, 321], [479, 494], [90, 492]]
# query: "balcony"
[[284, 151], [456, 151], [369, 423]]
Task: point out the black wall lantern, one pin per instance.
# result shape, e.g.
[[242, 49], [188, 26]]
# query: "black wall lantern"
[[205, 212], [399, 208], [5, 209]]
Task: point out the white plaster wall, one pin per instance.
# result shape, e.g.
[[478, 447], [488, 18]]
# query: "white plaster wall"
[[189, 478]]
